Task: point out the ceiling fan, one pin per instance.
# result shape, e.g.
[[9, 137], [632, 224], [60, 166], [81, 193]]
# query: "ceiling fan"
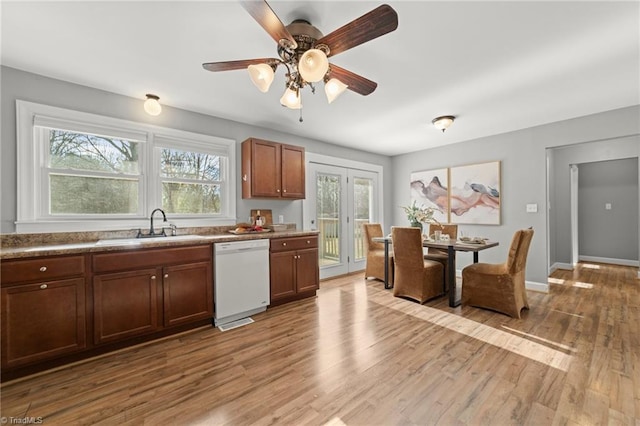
[[304, 51]]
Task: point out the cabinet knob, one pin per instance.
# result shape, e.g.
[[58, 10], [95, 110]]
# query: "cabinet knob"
[[166, 275], [284, 244], [284, 190], [277, 190], [308, 242], [43, 268], [244, 178], [43, 286], [153, 277]]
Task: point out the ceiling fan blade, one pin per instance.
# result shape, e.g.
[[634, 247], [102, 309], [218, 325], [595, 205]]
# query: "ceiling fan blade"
[[356, 82], [236, 65], [378, 22], [267, 18]]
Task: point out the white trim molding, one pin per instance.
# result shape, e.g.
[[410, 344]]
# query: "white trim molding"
[[597, 259], [31, 197]]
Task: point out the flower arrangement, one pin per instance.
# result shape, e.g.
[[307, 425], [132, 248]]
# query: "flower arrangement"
[[419, 215]]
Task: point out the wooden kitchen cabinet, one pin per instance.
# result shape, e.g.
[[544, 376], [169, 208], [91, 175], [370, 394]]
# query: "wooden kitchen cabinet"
[[272, 170], [43, 309], [294, 268], [138, 293], [125, 304]]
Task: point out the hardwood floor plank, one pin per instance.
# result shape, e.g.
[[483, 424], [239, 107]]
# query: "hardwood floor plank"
[[357, 355]]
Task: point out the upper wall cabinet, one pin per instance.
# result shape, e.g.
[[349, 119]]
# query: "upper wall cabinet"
[[272, 170]]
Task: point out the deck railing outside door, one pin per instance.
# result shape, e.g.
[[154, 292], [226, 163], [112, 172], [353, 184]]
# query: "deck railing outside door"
[[330, 240]]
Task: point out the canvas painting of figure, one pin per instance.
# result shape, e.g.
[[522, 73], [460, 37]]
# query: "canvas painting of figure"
[[475, 194], [430, 188]]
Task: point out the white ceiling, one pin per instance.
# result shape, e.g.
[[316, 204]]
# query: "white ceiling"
[[497, 66]]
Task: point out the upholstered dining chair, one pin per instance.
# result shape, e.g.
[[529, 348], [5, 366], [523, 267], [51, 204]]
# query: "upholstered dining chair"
[[415, 277], [375, 253], [437, 254], [500, 287]]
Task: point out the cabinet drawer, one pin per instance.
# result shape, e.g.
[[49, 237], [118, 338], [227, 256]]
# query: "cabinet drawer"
[[297, 243], [41, 269], [109, 262]]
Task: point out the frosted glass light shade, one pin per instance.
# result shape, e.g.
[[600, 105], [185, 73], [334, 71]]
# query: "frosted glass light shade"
[[313, 65], [152, 106], [443, 123], [261, 75], [291, 99], [334, 88]]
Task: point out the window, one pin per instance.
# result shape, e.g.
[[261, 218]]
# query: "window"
[[91, 174], [79, 171]]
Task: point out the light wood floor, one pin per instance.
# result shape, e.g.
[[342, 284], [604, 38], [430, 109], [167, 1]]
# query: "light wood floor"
[[356, 355]]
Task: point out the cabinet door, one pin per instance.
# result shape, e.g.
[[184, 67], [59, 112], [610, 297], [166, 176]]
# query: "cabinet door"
[[293, 172], [125, 304], [188, 293], [307, 273], [265, 169], [41, 321], [283, 270]]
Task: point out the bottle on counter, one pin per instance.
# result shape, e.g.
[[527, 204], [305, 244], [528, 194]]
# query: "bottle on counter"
[[259, 220]]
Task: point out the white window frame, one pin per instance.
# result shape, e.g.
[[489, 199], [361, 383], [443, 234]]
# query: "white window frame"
[[32, 184]]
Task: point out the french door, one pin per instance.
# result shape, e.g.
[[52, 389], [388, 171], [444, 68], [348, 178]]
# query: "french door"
[[340, 201]]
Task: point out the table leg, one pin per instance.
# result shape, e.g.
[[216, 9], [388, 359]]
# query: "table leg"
[[475, 257], [451, 263], [386, 264]]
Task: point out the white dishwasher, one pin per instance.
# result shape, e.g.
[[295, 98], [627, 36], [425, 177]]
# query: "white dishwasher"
[[241, 282]]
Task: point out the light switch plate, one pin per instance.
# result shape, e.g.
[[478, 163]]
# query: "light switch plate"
[[607, 206], [532, 208]]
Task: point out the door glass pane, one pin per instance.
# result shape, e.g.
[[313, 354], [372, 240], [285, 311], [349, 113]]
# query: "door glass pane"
[[328, 216], [363, 208]]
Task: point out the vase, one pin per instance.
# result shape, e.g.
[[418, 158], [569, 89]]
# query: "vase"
[[417, 225]]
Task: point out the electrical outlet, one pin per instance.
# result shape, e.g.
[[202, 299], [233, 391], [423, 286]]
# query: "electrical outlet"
[[607, 206], [532, 208]]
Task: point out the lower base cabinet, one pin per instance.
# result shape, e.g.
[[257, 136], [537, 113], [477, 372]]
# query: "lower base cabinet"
[[42, 320], [152, 296], [294, 268]]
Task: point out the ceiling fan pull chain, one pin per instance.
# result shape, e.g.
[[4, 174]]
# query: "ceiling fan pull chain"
[[301, 120]]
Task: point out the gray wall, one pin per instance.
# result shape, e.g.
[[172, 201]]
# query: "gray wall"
[[524, 176], [16, 84], [560, 187], [610, 233]]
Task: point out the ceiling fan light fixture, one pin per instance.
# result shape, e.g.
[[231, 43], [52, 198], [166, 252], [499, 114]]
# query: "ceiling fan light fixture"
[[152, 106], [334, 88], [291, 99], [261, 76], [443, 122], [313, 65]]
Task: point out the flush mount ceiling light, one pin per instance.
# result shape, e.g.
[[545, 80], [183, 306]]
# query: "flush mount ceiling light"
[[443, 122], [152, 106], [304, 51]]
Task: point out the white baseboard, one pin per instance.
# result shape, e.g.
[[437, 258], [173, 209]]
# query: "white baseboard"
[[560, 265], [534, 286], [623, 262]]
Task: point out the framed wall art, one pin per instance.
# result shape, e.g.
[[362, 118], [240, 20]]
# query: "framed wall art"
[[430, 188], [475, 196]]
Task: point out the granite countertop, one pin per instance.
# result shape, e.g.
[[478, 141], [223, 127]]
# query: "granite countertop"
[[15, 247]]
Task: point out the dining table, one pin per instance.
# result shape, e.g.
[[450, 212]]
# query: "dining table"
[[452, 246]]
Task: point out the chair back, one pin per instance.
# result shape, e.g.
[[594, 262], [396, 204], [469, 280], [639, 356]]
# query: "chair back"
[[447, 229], [407, 247], [517, 260], [370, 231]]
